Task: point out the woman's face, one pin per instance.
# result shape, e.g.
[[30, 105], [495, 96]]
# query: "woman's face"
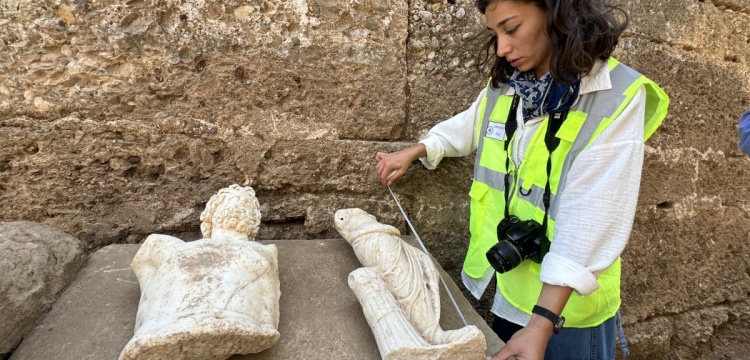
[[521, 35]]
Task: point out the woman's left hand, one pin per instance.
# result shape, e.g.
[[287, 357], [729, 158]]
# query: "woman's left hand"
[[528, 343]]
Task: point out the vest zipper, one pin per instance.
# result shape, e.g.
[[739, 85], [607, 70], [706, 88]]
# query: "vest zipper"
[[518, 138], [514, 149]]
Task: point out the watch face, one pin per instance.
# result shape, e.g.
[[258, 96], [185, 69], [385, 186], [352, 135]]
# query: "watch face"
[[558, 321], [559, 324]]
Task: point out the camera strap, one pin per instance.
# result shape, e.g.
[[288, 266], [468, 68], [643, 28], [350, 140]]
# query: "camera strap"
[[421, 244], [551, 141], [510, 128]]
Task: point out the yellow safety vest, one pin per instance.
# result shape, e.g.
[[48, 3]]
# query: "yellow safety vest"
[[593, 113]]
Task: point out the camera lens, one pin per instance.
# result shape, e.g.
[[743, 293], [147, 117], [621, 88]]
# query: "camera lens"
[[503, 256]]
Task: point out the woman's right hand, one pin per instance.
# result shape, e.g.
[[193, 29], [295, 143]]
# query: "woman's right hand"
[[391, 166]]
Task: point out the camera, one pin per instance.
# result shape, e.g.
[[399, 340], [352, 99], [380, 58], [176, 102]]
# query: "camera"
[[517, 240]]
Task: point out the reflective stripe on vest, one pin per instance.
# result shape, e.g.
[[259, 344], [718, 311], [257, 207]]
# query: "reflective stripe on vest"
[[593, 113]]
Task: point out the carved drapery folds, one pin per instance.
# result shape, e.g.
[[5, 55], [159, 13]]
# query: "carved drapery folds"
[[400, 296]]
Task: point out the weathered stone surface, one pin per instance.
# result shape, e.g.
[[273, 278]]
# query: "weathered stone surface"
[[95, 316], [691, 235], [187, 95], [37, 262], [443, 53], [716, 30], [716, 332], [204, 299], [650, 339]]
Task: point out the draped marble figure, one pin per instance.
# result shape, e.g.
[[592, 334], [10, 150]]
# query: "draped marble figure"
[[210, 298], [400, 295]]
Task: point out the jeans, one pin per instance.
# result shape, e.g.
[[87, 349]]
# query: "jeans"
[[596, 343]]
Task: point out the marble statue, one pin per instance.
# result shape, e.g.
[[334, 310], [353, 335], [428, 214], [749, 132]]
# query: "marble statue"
[[400, 295], [210, 298]]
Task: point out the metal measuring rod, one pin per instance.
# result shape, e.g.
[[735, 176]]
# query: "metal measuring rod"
[[455, 305]]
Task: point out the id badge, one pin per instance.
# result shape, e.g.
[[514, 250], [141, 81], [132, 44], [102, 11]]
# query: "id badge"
[[495, 131]]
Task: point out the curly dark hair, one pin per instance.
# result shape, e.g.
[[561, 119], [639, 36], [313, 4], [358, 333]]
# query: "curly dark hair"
[[581, 31]]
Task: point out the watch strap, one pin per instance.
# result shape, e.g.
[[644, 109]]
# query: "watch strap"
[[557, 321]]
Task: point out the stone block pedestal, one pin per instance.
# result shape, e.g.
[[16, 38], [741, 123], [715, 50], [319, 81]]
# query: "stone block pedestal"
[[320, 316]]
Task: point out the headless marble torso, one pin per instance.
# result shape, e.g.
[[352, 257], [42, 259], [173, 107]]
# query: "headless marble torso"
[[410, 276], [399, 293], [210, 298], [205, 278]]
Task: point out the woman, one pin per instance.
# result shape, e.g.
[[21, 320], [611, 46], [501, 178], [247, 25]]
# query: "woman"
[[744, 132], [561, 126]]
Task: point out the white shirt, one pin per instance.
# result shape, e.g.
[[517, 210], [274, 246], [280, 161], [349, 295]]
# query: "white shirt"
[[598, 205]]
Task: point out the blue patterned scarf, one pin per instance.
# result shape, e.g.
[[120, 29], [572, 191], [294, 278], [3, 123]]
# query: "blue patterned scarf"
[[543, 96]]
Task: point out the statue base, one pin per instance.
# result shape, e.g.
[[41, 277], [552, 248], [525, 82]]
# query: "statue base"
[[320, 317]]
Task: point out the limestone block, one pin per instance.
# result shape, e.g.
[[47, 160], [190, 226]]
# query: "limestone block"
[[691, 220], [94, 317], [400, 294], [210, 298], [715, 30], [444, 45], [36, 262], [107, 105]]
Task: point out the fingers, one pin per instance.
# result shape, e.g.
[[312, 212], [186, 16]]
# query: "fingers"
[[380, 167], [390, 166], [383, 180], [384, 167], [504, 354], [394, 175], [383, 174]]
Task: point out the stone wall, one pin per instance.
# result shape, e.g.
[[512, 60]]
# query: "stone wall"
[[119, 119]]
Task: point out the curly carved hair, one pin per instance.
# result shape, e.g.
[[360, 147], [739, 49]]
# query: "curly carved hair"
[[233, 208], [581, 31]]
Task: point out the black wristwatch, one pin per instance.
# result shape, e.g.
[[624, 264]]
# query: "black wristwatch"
[[558, 321]]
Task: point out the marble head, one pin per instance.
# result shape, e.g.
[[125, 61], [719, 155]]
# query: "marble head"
[[234, 208]]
